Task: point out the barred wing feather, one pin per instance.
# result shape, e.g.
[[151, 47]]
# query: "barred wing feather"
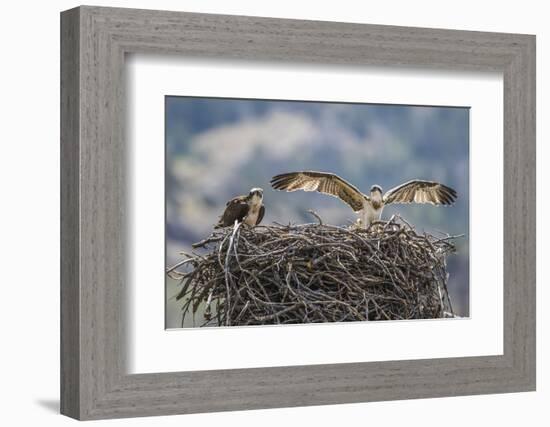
[[322, 182], [418, 191]]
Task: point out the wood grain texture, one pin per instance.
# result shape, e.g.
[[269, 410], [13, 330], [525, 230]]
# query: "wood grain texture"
[[70, 292], [94, 272]]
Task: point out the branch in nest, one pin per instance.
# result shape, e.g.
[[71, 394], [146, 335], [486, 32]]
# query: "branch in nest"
[[316, 215]]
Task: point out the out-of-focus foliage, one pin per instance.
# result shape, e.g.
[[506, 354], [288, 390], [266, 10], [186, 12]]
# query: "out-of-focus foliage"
[[219, 148]]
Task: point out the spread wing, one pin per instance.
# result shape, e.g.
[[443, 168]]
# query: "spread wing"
[[326, 183], [235, 209], [418, 191], [261, 214]]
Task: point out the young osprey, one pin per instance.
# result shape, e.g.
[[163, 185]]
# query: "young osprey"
[[369, 207], [248, 209]]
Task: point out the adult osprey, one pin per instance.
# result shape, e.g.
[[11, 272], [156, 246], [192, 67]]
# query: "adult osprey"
[[248, 209], [369, 207]]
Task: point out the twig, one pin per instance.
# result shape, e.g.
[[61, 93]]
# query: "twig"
[[316, 215]]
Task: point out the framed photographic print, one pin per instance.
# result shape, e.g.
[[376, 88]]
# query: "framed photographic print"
[[261, 213], [303, 272]]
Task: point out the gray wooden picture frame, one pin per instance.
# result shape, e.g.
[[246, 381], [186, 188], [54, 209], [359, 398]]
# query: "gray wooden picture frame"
[[94, 41]]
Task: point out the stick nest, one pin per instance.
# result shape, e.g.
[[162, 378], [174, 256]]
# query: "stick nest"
[[312, 273]]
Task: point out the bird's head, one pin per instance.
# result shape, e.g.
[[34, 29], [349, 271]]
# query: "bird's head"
[[256, 195], [375, 189]]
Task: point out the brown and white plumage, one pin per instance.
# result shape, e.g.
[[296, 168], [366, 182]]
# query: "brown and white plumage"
[[418, 191], [369, 207], [326, 183], [248, 209]]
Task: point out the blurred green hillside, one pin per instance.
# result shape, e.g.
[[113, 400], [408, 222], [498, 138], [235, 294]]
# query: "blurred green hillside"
[[219, 148]]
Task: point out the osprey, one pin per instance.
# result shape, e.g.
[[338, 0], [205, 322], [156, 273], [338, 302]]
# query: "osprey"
[[248, 209], [369, 207]]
